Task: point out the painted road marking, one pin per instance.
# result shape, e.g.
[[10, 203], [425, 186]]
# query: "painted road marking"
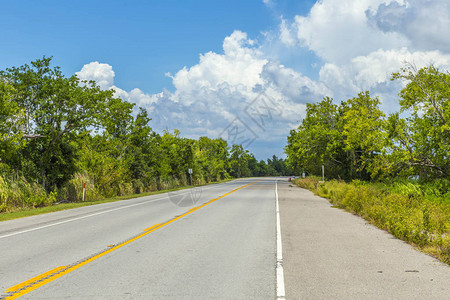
[[34, 280], [91, 215], [154, 226], [32, 284], [281, 294], [79, 218]]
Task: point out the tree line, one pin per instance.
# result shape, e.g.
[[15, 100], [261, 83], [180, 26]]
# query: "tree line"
[[356, 140], [59, 133]]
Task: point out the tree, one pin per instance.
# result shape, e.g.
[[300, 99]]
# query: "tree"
[[239, 161], [211, 159], [319, 141], [421, 142], [55, 108], [139, 151], [11, 119], [364, 139], [346, 139]]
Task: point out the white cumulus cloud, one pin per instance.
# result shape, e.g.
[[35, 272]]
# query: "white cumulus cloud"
[[338, 30], [424, 23], [361, 43], [103, 75], [373, 72], [222, 86]]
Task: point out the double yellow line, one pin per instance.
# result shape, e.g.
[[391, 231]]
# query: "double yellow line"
[[38, 281]]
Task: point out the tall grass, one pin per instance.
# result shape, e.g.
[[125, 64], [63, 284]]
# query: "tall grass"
[[416, 213], [17, 193]]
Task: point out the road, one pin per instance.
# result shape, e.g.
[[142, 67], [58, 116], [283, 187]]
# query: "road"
[[225, 249], [223, 246]]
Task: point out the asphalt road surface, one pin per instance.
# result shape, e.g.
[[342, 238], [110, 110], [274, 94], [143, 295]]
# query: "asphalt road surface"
[[214, 242]]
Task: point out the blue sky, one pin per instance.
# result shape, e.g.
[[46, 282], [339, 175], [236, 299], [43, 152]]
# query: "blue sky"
[[143, 40], [201, 65]]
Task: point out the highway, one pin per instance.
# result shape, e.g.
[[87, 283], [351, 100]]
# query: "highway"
[[213, 242], [225, 249]]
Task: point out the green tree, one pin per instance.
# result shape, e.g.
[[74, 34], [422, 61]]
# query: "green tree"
[[211, 157], [319, 141], [364, 138], [421, 142], [139, 151], [56, 109], [239, 161], [11, 121]]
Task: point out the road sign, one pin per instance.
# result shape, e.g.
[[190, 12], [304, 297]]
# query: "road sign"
[[190, 171]]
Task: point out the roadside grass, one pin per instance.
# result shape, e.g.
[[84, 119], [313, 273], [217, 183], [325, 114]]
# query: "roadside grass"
[[421, 219], [26, 212]]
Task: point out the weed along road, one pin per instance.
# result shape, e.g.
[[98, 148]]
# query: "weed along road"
[[253, 238]]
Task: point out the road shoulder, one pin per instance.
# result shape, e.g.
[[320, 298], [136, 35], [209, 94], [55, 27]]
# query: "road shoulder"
[[330, 253]]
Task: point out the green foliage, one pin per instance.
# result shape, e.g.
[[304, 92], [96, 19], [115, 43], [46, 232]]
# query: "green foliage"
[[362, 123], [356, 141], [346, 139], [422, 140], [11, 119], [239, 161], [318, 141], [56, 110]]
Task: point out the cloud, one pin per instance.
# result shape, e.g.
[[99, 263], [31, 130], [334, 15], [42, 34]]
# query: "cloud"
[[338, 30], [223, 87], [103, 74], [373, 72], [365, 72], [291, 84], [361, 43], [424, 23], [286, 36], [238, 68], [269, 3]]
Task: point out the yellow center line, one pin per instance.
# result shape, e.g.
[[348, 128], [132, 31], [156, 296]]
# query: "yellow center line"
[[34, 279], [156, 225], [38, 281]]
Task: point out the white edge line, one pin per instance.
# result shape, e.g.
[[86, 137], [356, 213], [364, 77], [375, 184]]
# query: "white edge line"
[[281, 294], [79, 218], [91, 215]]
